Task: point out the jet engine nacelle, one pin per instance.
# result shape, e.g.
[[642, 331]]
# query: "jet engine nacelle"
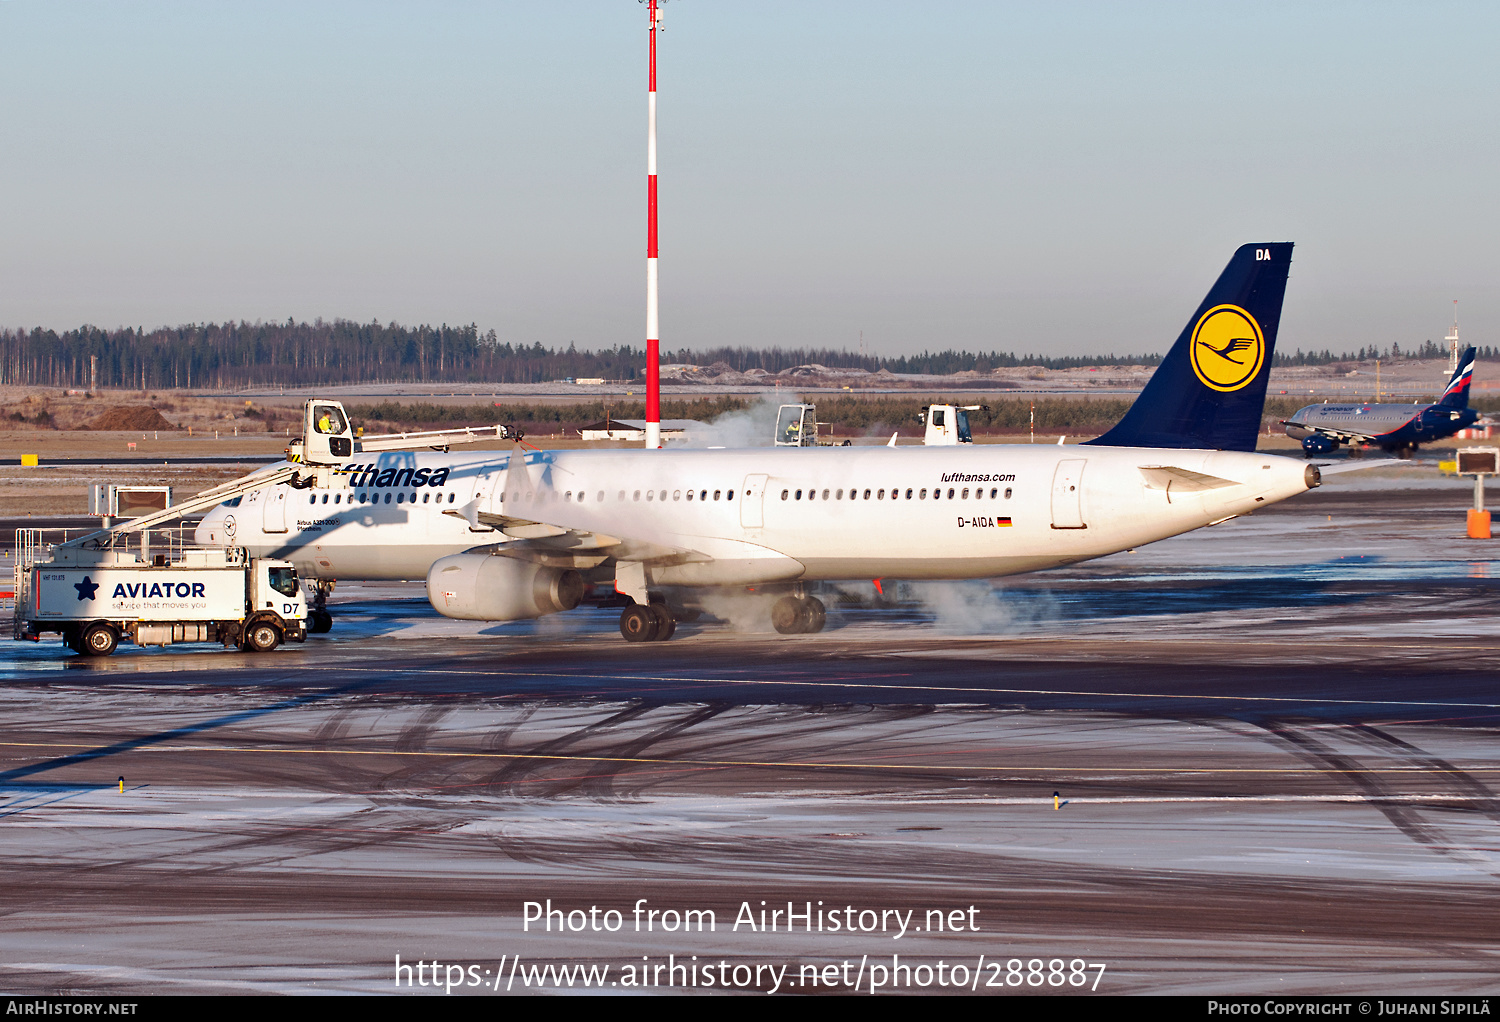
[[486, 587], [1317, 443]]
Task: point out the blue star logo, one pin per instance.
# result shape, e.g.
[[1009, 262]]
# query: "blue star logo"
[[86, 589]]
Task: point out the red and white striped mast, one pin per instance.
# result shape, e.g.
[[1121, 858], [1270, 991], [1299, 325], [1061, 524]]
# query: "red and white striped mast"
[[653, 329]]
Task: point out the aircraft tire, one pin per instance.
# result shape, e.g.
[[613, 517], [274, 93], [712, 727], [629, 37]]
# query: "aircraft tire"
[[638, 624], [261, 637], [100, 640], [817, 615], [319, 621], [788, 616], [666, 627]]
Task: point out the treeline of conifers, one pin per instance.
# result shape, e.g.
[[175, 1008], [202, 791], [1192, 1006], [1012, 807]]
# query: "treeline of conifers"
[[219, 356], [846, 416]]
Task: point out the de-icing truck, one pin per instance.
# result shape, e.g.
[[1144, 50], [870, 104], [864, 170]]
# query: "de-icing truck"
[[97, 598], [95, 591]]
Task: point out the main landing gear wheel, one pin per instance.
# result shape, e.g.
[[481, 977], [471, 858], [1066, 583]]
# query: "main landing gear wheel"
[[262, 638], [638, 624], [817, 615], [647, 624], [319, 621], [791, 615], [99, 640], [666, 625]]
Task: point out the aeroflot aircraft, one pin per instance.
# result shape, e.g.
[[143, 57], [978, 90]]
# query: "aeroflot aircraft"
[[504, 538], [1395, 428]]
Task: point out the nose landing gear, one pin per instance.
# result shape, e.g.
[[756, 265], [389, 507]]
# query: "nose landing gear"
[[319, 620]]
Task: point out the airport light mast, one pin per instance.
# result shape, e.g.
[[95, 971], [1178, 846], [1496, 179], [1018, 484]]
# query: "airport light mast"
[[1452, 340], [653, 329]]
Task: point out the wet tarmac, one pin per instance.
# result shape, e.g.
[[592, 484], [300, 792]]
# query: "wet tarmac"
[[1260, 758]]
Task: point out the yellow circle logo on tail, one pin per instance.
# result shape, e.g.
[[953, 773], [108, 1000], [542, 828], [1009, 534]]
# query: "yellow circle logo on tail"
[[1228, 348]]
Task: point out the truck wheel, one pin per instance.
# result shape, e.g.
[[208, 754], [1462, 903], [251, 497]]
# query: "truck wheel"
[[262, 637], [100, 640]]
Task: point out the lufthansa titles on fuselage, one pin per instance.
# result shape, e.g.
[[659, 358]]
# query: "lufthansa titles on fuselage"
[[977, 477], [365, 476]]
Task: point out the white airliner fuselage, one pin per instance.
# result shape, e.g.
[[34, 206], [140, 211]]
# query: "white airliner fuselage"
[[740, 517]]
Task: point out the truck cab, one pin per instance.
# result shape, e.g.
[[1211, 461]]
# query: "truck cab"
[[947, 424], [797, 426], [274, 586]]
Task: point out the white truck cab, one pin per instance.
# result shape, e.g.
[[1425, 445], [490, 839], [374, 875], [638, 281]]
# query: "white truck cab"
[[948, 424]]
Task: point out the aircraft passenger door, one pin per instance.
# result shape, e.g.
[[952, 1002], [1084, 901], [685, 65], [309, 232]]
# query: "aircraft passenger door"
[[752, 502], [1067, 494], [275, 509]]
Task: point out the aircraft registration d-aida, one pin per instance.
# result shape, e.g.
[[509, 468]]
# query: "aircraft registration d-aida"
[[518, 536], [1397, 429]]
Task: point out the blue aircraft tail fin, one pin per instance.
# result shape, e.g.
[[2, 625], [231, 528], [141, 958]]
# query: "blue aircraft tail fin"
[[1210, 390], [1457, 394]]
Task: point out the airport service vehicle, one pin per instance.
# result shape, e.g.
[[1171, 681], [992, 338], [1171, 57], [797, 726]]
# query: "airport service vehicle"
[[97, 598], [947, 425], [95, 591], [797, 426], [1396, 429]]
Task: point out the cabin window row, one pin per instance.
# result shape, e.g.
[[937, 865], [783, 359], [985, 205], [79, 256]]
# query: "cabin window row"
[[582, 496], [369, 498], [954, 493]]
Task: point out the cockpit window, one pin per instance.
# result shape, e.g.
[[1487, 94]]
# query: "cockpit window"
[[233, 501], [284, 580]]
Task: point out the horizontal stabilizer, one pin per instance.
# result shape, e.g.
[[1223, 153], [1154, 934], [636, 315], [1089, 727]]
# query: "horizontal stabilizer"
[[1334, 468], [1162, 477]]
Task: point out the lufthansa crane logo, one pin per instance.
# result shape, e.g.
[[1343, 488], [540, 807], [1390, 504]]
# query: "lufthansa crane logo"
[[1228, 348]]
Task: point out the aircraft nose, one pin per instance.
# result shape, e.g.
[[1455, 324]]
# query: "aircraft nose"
[[206, 532]]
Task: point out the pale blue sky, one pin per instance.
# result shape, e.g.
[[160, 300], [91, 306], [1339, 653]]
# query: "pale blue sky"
[[1059, 177]]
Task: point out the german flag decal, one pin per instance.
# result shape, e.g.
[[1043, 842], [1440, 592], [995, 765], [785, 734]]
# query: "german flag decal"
[[1003, 523]]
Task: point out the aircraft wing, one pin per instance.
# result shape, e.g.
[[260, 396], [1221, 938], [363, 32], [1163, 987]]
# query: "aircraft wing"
[[560, 547], [1341, 435]]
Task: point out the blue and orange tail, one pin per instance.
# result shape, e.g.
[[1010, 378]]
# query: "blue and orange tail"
[[1210, 390], [1457, 394]]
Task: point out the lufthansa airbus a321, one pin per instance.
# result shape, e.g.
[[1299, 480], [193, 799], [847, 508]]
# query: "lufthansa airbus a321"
[[519, 536], [1396, 429]]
